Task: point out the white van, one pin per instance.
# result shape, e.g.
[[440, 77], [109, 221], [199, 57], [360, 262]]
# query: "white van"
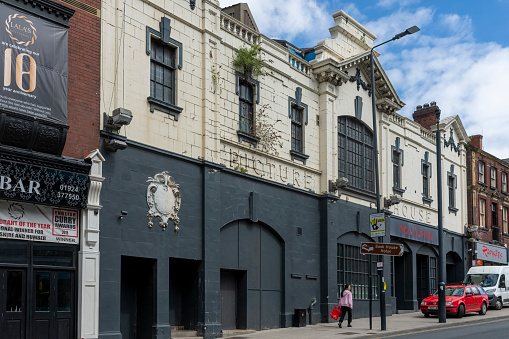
[[494, 280]]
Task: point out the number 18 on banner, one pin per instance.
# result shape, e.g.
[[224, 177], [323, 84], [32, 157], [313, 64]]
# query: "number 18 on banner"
[[377, 224]]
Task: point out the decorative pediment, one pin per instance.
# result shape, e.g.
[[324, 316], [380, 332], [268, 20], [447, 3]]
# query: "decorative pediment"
[[387, 98], [457, 134], [327, 71]]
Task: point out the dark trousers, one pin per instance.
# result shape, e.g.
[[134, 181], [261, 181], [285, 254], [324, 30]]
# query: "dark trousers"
[[344, 310]]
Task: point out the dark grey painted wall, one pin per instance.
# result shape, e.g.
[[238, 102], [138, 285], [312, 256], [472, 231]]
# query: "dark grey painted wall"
[[303, 227]]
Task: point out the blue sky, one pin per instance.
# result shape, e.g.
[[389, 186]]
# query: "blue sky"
[[460, 58]]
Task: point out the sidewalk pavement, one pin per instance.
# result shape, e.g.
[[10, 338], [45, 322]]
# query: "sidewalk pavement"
[[397, 324]]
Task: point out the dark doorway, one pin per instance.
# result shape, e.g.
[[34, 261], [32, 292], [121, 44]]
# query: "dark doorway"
[[13, 303], [54, 304], [184, 293], [259, 251], [137, 297], [37, 290], [454, 268], [403, 281], [422, 277], [233, 299]]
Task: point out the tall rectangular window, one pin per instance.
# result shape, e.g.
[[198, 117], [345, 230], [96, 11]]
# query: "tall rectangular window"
[[482, 212], [504, 182], [246, 107], [353, 269], [425, 181], [504, 220], [451, 184], [297, 141], [493, 177], [355, 153], [396, 169], [162, 72], [481, 172], [494, 219]]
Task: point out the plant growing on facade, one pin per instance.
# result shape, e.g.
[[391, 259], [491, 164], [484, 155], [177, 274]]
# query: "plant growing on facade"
[[248, 61], [217, 79], [240, 169], [269, 136]]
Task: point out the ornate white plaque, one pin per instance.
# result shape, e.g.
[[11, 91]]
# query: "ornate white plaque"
[[163, 200]]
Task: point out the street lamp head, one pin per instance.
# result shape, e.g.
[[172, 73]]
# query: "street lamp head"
[[437, 114], [408, 31]]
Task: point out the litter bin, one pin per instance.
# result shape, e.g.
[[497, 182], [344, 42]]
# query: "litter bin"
[[299, 317]]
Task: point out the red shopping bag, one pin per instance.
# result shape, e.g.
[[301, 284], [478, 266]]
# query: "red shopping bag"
[[336, 313]]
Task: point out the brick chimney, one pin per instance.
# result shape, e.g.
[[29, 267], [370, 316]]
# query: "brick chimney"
[[425, 114], [476, 141]]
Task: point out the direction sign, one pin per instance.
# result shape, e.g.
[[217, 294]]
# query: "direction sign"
[[381, 248], [377, 224]]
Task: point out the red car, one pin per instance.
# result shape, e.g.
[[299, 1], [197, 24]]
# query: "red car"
[[459, 299]]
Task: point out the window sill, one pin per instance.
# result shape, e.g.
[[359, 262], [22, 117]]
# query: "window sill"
[[249, 138], [426, 200], [453, 209], [505, 193], [398, 190], [482, 184], [493, 188], [299, 156], [164, 107], [484, 228]]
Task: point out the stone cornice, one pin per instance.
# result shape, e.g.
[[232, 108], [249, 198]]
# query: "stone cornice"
[[327, 71]]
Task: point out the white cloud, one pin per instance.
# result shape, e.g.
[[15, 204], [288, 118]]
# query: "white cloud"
[[391, 3], [309, 20]]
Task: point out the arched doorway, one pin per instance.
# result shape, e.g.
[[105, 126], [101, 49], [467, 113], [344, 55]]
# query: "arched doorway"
[[454, 268], [251, 276]]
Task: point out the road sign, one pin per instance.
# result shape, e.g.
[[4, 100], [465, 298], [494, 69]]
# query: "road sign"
[[377, 224], [381, 248]]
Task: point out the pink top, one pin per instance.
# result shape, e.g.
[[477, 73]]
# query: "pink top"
[[346, 299]]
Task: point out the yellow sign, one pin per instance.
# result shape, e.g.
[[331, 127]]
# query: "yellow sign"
[[385, 286]]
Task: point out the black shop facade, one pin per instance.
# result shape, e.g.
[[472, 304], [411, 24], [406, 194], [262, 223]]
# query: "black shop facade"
[[42, 193], [414, 275]]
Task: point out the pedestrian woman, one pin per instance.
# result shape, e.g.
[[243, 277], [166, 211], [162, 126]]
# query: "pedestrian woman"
[[346, 304]]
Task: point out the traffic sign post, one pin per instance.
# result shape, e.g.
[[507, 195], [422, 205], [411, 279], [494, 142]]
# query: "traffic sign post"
[[382, 248]]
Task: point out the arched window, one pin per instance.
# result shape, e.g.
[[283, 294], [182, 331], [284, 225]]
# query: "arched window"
[[355, 153]]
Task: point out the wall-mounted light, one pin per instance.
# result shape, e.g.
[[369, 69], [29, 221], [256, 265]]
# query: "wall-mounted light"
[[392, 200], [339, 183]]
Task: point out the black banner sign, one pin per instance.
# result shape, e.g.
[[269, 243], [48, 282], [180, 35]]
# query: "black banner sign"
[[33, 65], [42, 185], [413, 231]]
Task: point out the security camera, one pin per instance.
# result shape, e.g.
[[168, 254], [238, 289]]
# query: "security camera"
[[122, 214]]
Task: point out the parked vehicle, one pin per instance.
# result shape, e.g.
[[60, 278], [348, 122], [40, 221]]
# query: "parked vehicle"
[[493, 280], [459, 299]]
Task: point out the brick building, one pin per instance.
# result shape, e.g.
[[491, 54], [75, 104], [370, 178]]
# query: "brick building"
[[50, 169], [488, 204]]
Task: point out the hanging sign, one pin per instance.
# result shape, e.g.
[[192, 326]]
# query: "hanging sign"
[[30, 222], [33, 65], [377, 224]]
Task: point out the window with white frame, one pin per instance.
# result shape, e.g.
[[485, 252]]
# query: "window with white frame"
[[481, 172], [493, 177], [504, 182], [482, 212], [504, 220]]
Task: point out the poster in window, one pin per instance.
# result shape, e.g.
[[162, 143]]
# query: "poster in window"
[[33, 65]]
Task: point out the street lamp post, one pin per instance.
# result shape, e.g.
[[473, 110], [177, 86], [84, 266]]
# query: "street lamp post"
[[441, 257], [410, 30]]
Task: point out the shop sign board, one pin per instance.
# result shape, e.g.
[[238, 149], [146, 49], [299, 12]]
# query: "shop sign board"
[[31, 222], [382, 248], [33, 65], [377, 224], [488, 252], [409, 230], [36, 184]]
